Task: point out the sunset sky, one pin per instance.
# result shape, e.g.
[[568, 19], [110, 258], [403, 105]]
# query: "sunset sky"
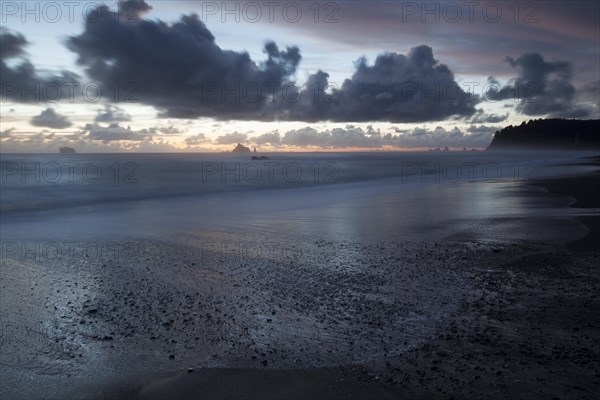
[[196, 76]]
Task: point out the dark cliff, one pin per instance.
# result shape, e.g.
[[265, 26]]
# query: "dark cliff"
[[545, 134]]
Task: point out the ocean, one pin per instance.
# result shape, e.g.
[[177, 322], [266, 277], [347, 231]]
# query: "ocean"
[[431, 195]]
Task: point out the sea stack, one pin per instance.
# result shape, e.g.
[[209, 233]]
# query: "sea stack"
[[67, 150], [240, 148]]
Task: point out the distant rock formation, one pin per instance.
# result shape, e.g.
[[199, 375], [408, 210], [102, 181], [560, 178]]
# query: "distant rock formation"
[[548, 134], [67, 150], [240, 148], [260, 157]]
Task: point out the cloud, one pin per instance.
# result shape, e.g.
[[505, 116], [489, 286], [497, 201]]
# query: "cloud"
[[306, 137], [542, 88], [441, 137], [472, 42], [483, 130], [168, 130], [22, 83], [50, 143], [196, 140], [187, 74], [269, 138], [396, 88], [11, 44], [232, 138], [190, 76], [162, 130], [481, 117], [51, 119], [352, 137], [5, 134], [114, 132], [112, 114], [590, 93], [130, 11]]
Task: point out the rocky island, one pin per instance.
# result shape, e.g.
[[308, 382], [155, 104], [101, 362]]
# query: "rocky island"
[[240, 148], [67, 150]]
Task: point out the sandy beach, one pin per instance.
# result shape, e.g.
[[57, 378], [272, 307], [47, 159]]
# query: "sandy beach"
[[214, 314]]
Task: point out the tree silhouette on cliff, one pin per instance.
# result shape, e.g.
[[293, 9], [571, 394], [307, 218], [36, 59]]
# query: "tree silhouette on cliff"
[[563, 134]]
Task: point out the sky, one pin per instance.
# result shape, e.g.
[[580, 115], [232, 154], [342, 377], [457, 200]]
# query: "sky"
[[202, 76]]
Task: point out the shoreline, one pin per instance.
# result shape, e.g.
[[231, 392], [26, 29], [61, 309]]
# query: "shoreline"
[[585, 189]]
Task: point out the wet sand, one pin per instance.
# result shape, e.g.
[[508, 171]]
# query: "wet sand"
[[585, 191], [426, 321], [527, 328]]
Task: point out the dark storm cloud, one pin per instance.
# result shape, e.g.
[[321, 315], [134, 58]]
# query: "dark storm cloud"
[[49, 118], [390, 83], [590, 93], [11, 45], [179, 69], [22, 83], [396, 88], [542, 88], [132, 10]]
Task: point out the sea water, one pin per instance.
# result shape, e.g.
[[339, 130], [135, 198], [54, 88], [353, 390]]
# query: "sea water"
[[422, 195]]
